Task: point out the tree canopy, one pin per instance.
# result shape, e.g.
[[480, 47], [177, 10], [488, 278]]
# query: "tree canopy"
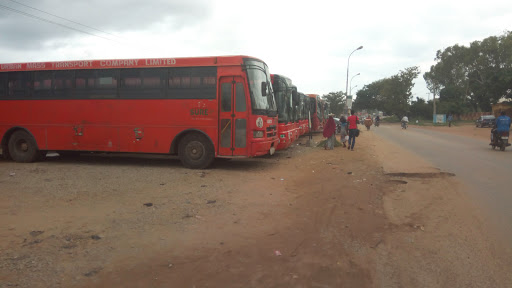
[[465, 79], [391, 95], [476, 76], [336, 102]]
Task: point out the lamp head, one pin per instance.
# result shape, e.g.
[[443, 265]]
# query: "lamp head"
[[360, 47]]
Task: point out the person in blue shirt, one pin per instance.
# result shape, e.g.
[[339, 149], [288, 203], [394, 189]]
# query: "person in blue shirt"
[[502, 124]]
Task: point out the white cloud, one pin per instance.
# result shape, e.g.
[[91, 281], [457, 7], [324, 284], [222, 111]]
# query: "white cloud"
[[308, 41]]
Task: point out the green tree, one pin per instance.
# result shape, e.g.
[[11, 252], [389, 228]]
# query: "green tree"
[[421, 109], [478, 75], [390, 95], [336, 102]]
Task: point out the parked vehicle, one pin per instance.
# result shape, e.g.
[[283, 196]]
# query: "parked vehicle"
[[485, 121], [499, 139]]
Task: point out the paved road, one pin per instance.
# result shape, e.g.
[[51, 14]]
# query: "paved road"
[[486, 172]]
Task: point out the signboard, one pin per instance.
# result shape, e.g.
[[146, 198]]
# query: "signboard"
[[349, 102], [439, 118]]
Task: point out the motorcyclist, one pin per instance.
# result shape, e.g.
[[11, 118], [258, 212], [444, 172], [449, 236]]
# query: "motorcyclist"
[[404, 121], [377, 120], [502, 125]]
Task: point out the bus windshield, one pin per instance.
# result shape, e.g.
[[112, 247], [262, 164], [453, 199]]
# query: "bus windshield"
[[257, 73], [283, 94]]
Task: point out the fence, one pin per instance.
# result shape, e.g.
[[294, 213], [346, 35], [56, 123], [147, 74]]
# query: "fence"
[[470, 116]]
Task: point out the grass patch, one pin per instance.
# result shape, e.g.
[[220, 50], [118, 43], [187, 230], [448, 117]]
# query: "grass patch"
[[322, 143]]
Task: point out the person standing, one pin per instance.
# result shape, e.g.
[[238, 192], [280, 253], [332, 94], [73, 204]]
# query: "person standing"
[[330, 132], [344, 131], [450, 119], [352, 130]]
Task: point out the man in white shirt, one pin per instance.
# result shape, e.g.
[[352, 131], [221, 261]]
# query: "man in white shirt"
[[405, 120]]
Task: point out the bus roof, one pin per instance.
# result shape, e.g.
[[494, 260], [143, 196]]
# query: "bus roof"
[[127, 63]]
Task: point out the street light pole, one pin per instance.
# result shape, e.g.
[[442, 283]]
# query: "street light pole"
[[346, 87], [351, 89], [351, 82]]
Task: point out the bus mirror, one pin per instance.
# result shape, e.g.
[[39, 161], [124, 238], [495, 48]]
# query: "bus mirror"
[[263, 88]]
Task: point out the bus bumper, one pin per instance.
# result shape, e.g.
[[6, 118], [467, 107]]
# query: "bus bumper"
[[264, 147]]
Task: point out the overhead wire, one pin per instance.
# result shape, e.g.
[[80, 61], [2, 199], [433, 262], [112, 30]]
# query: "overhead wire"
[[53, 22], [56, 16]]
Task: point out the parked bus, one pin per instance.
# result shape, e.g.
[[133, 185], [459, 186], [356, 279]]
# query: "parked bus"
[[197, 108], [303, 115], [295, 113], [282, 87], [316, 113]]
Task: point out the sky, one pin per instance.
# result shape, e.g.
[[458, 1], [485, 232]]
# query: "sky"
[[307, 41]]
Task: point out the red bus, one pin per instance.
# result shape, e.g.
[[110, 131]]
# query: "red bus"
[[316, 112], [303, 114], [197, 108], [282, 87]]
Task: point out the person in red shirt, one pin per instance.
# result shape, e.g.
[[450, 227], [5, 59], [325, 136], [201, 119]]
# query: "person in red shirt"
[[352, 128]]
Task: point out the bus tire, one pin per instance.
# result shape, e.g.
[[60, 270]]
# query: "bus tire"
[[23, 147], [196, 151]]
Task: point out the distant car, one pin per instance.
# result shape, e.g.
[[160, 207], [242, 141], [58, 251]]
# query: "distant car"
[[485, 121]]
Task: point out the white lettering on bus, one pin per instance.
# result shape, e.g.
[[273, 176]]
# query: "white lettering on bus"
[[72, 64], [36, 65], [160, 62], [10, 66], [118, 63]]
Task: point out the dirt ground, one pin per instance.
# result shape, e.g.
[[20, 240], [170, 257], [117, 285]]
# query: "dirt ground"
[[305, 217]]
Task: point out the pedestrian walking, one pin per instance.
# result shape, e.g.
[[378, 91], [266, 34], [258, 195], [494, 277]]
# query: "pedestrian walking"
[[450, 119], [352, 130], [330, 132], [344, 131]]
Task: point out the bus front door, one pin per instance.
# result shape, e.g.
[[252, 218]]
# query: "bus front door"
[[232, 117]]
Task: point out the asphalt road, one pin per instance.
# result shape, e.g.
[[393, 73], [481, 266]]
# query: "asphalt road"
[[486, 173]]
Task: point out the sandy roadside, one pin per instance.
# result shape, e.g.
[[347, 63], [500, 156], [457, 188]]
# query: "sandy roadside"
[[374, 217], [437, 235]]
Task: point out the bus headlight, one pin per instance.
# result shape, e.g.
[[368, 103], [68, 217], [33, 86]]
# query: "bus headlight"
[[258, 134]]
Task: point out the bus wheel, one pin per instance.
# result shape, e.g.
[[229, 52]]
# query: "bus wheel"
[[23, 147], [196, 151]]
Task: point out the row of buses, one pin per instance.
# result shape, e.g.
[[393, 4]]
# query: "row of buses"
[[295, 109], [198, 108]]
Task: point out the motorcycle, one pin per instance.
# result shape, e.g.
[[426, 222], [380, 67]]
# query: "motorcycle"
[[377, 123], [404, 125], [499, 139]]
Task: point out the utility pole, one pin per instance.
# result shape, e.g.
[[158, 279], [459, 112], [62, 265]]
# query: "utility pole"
[[435, 114]]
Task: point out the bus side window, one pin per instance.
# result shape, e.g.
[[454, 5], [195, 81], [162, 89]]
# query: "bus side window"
[[225, 94], [241, 105], [192, 83], [63, 83], [3, 85], [19, 85], [43, 84]]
